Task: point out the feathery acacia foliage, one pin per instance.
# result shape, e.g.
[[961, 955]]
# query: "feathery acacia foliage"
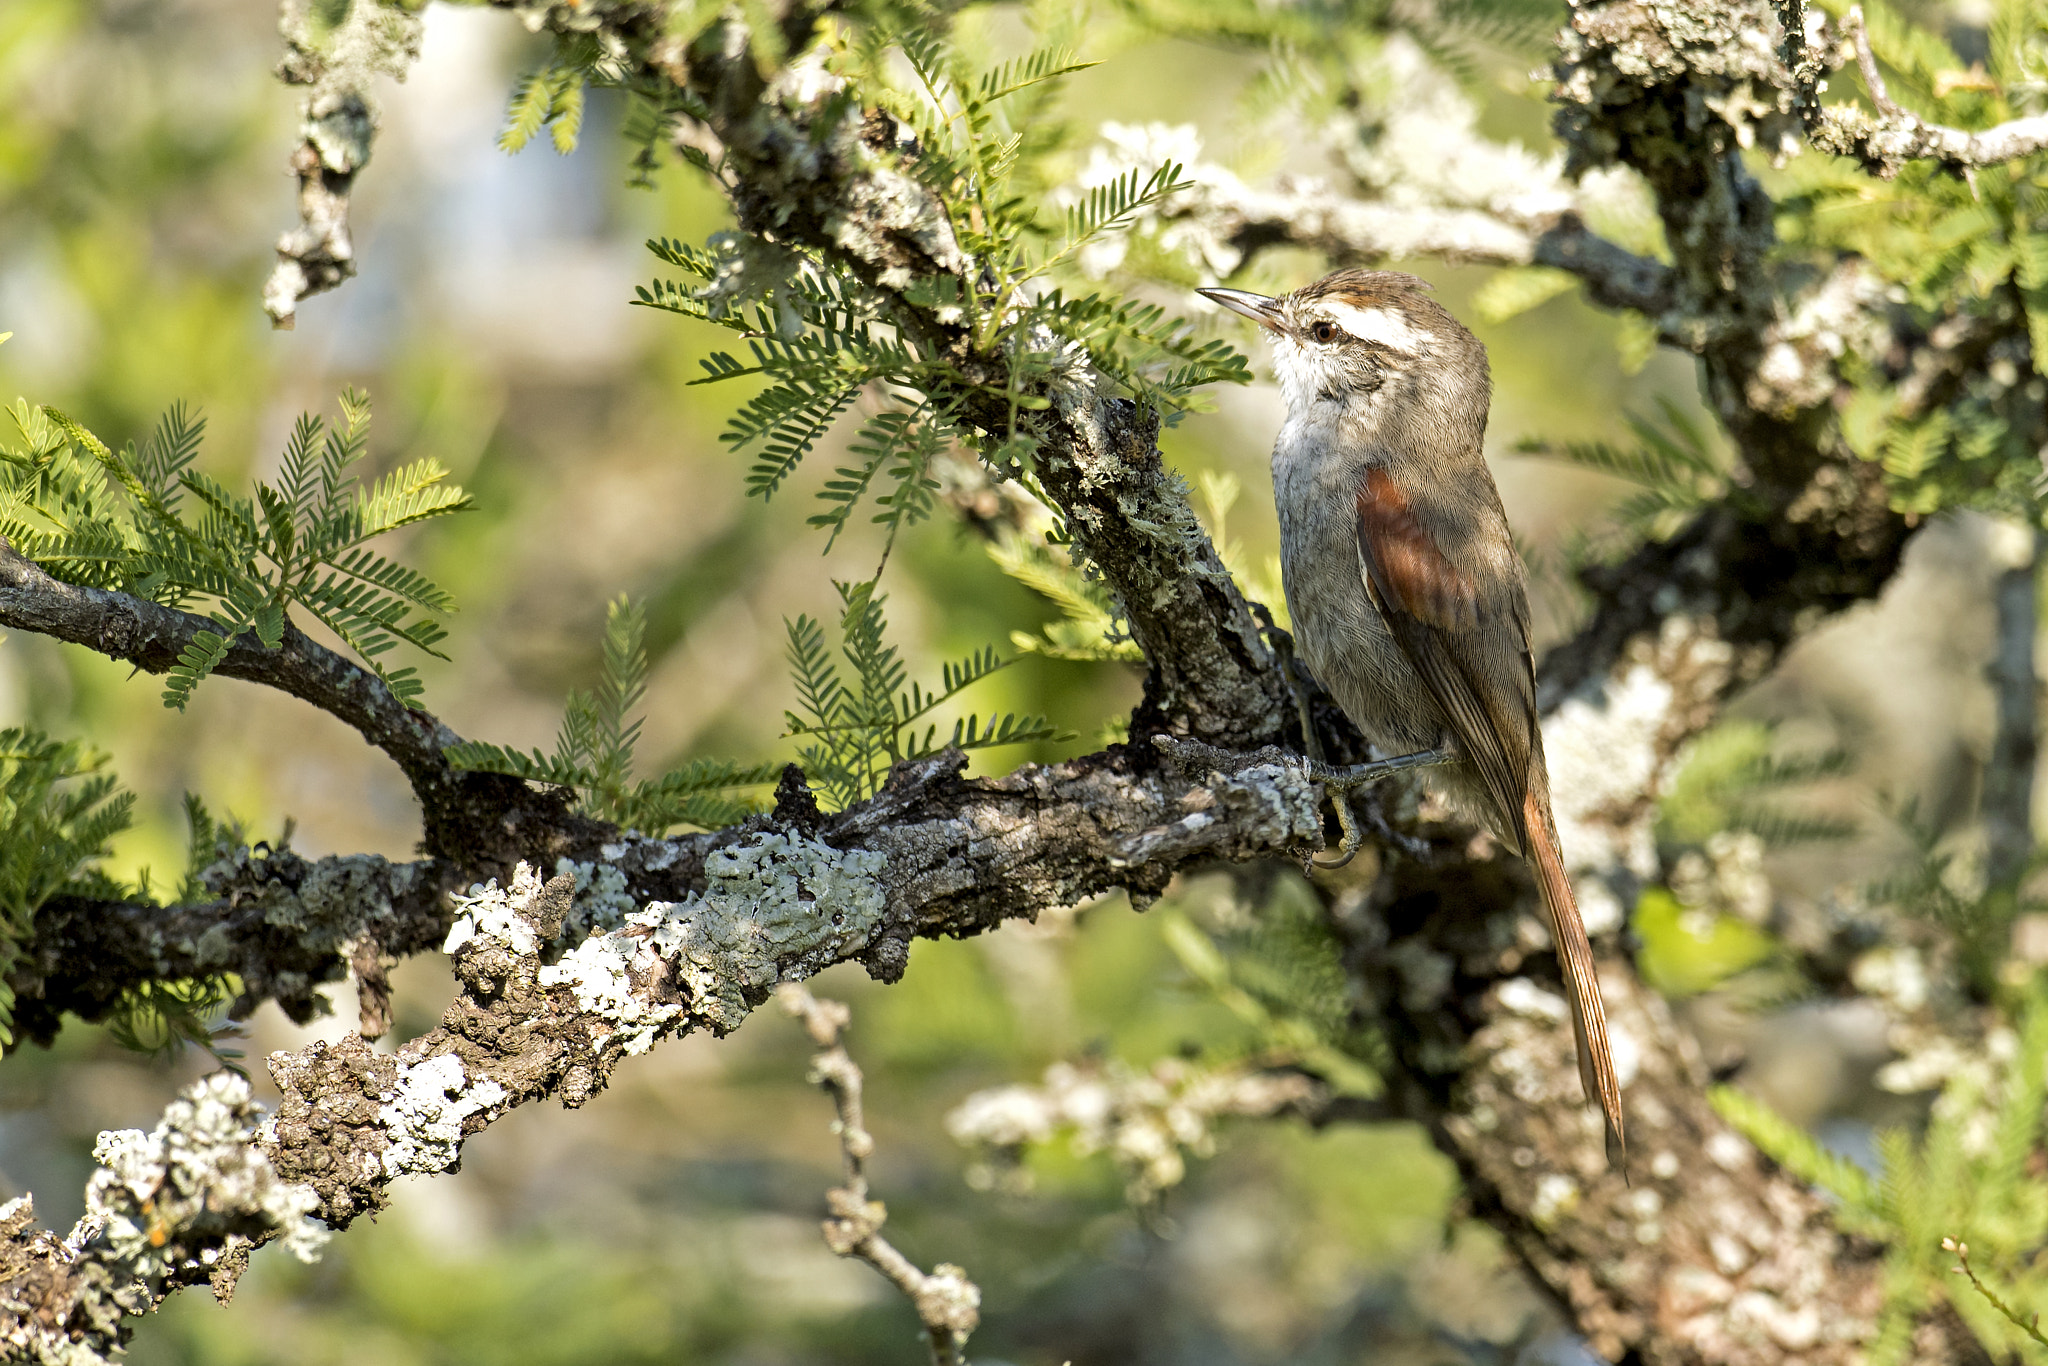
[[1947, 246], [550, 98], [1274, 967], [58, 809], [245, 561], [819, 339], [594, 750], [1087, 628], [859, 721], [1965, 1178], [1675, 470]]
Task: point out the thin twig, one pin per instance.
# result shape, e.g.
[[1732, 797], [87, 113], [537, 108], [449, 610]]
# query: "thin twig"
[[1888, 142], [2031, 1325], [1866, 61], [947, 1303]]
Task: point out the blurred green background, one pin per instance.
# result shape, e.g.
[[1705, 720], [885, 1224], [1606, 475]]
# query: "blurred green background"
[[142, 181]]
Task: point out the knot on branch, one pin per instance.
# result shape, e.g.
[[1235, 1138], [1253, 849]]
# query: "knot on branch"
[[854, 1220]]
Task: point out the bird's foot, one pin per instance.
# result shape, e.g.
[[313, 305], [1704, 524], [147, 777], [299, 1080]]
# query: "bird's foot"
[[1339, 783], [1197, 759]]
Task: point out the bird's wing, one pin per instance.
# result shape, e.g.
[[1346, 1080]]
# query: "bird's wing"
[[1435, 611]]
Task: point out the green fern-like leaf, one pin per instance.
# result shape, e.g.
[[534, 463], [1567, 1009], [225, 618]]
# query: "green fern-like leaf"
[[1088, 629], [1673, 466], [1107, 208], [1797, 1151], [167, 454], [862, 713], [532, 98], [550, 98], [594, 749], [59, 808], [245, 560]]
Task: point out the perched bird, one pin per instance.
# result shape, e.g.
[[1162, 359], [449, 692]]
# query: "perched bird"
[[1408, 596]]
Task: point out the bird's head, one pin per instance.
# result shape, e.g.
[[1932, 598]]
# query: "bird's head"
[[1369, 341]]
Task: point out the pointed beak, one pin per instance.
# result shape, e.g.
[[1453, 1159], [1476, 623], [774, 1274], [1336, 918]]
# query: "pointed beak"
[[1260, 309]]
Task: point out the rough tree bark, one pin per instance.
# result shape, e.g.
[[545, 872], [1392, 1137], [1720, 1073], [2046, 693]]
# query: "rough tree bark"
[[1712, 1256]]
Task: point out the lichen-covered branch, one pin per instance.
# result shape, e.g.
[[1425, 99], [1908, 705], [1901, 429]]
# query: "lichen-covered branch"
[[337, 125], [747, 909], [947, 1303], [183, 1204], [1886, 141], [279, 924], [1495, 206]]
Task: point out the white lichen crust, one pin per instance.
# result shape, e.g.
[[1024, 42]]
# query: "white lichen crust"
[[197, 1176], [778, 907], [185, 1202], [423, 1115]]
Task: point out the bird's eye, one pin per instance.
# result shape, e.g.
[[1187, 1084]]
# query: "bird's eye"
[[1325, 332]]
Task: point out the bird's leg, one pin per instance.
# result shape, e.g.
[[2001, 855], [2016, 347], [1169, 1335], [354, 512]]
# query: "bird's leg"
[[1338, 783], [1197, 759]]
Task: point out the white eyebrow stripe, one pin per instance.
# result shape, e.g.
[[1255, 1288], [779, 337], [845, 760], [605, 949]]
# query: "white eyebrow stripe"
[[1382, 325]]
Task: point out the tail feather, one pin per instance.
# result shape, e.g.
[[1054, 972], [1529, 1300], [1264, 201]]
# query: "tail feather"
[[1581, 981]]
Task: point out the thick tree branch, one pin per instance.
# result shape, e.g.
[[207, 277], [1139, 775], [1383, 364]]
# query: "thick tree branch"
[[281, 925], [1350, 231], [933, 854]]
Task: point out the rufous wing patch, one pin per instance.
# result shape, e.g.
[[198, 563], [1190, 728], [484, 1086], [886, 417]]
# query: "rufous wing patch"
[[1404, 569]]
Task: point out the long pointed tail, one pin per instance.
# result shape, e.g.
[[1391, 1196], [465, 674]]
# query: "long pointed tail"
[[1581, 982]]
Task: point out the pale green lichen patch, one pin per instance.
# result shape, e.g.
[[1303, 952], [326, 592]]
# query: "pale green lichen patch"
[[339, 896], [780, 907], [423, 1113], [602, 902], [196, 1186]]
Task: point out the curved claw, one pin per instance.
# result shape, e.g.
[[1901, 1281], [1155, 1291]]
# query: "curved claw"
[[1347, 849]]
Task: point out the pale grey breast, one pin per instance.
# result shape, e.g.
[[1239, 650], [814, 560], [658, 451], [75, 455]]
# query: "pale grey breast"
[[1342, 639]]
